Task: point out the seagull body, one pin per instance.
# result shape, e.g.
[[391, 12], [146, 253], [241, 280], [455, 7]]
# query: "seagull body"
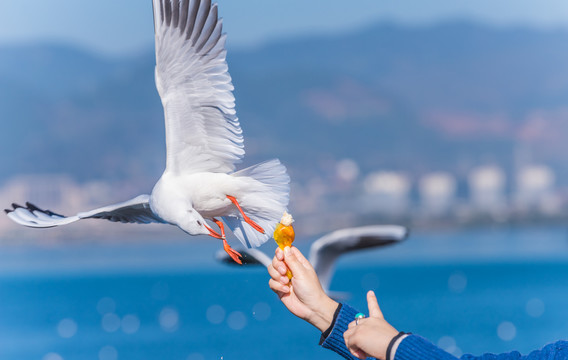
[[203, 139]]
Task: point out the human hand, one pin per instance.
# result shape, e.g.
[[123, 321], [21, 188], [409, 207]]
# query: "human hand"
[[371, 337], [304, 297]]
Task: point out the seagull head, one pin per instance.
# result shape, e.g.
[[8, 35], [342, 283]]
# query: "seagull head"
[[194, 224]]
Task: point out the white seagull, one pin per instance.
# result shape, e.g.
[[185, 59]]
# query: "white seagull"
[[204, 142], [325, 250]]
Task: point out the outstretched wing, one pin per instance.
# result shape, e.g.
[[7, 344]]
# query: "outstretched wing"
[[328, 248], [136, 210], [202, 130]]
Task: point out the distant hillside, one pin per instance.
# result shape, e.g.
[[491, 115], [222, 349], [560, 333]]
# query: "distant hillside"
[[443, 97]]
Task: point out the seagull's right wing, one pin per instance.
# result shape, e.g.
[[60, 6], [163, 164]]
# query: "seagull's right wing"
[[136, 210], [328, 248]]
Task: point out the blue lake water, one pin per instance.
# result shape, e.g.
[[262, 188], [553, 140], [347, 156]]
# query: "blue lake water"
[[471, 291]]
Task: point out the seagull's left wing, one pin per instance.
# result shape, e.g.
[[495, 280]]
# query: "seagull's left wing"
[[136, 210], [202, 129]]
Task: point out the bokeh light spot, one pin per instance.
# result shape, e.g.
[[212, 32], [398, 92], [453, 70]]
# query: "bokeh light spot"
[[169, 319], [261, 311], [215, 314], [506, 331], [67, 328], [110, 322], [195, 356], [108, 353], [535, 307], [52, 356], [457, 282], [130, 324], [237, 320]]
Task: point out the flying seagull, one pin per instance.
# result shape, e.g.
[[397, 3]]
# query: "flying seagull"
[[325, 250], [204, 142]]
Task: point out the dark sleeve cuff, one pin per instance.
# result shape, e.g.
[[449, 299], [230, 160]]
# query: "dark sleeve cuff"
[[414, 347], [334, 340], [326, 333]]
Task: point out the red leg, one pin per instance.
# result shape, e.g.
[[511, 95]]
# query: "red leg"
[[221, 226], [235, 255], [246, 218]]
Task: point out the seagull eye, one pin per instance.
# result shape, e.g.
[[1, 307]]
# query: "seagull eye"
[[198, 222]]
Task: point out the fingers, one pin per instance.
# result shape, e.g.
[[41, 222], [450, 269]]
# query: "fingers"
[[295, 260], [278, 287], [276, 275], [279, 265], [350, 338], [279, 254], [301, 257], [374, 309], [359, 354]]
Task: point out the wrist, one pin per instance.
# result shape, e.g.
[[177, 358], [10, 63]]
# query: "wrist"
[[322, 315], [393, 345]]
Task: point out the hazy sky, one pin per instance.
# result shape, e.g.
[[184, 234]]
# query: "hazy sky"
[[123, 26]]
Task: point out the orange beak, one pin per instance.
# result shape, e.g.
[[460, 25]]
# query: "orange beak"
[[213, 233]]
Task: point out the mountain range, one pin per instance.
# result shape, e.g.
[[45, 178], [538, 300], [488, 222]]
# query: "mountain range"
[[443, 97]]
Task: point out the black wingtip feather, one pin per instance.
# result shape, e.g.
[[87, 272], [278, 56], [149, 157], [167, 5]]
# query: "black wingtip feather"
[[32, 207], [183, 16], [175, 16], [15, 206], [8, 211], [168, 12]]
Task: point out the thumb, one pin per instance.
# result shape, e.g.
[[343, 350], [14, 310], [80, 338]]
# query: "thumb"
[[374, 309], [301, 257], [293, 262]]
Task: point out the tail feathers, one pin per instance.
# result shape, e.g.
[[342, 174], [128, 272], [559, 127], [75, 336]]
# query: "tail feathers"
[[265, 202], [248, 236]]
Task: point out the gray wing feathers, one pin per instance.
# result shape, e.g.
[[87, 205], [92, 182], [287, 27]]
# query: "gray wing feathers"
[[203, 132], [328, 248], [136, 210]]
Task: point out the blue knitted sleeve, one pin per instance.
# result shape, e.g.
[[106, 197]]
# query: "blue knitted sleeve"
[[335, 341], [415, 347]]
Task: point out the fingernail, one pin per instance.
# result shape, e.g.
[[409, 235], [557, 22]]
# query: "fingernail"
[[287, 250], [282, 270], [284, 280]]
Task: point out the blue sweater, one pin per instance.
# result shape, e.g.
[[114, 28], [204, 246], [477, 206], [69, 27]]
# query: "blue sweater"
[[414, 347]]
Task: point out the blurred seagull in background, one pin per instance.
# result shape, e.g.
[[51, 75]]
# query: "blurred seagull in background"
[[327, 249], [204, 142]]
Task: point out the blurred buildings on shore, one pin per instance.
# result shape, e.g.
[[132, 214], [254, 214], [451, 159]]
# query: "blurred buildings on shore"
[[345, 197], [481, 195]]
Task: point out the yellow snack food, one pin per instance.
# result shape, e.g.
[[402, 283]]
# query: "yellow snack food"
[[284, 234]]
